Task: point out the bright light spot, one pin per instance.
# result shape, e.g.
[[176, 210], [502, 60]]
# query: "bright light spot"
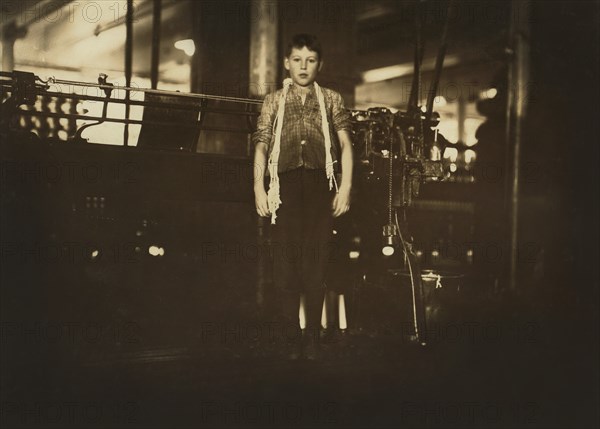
[[334, 232], [156, 251], [388, 250], [440, 101], [470, 253], [95, 254], [435, 253], [111, 133], [302, 313], [471, 140], [354, 254], [343, 321], [384, 73], [451, 154], [470, 156], [471, 125], [187, 45], [80, 108], [419, 253], [489, 93], [405, 69], [453, 168], [448, 127]]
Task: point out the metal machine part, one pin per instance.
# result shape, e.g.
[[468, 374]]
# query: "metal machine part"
[[21, 91]]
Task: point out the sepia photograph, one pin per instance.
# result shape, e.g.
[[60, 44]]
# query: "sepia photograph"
[[299, 214]]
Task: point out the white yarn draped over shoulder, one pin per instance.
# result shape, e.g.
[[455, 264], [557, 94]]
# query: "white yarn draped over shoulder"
[[273, 195]]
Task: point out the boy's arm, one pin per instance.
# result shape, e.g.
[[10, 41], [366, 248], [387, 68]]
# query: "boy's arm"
[[341, 202], [264, 125], [342, 125], [261, 139], [260, 165], [347, 158]]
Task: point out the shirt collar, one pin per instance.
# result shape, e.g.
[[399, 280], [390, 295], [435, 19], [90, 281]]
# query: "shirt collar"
[[295, 90], [311, 96]]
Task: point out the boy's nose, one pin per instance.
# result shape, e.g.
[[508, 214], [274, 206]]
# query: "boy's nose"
[[303, 64]]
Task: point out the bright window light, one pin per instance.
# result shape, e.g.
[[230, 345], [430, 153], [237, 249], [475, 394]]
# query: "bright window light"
[[186, 45], [451, 154], [470, 156]]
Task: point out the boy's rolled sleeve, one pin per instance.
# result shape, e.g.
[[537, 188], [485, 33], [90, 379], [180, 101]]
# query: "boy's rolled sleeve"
[[341, 116], [264, 126]]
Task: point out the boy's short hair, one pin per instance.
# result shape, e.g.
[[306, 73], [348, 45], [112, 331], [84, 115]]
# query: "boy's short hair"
[[299, 41]]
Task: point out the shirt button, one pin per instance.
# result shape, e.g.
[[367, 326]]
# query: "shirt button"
[[303, 142]]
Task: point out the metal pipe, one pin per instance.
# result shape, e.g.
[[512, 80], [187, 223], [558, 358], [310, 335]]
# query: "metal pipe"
[[127, 121], [9, 35], [128, 65], [439, 62], [415, 92], [263, 72], [156, 20], [8, 54], [516, 105], [158, 91], [162, 105], [263, 49], [141, 11], [461, 116]]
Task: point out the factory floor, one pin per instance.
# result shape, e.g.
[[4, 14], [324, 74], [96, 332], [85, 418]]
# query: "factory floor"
[[496, 362]]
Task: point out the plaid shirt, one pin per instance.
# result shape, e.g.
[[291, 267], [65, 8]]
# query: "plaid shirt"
[[302, 141]]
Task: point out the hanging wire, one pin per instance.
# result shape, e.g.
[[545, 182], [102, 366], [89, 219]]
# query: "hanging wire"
[[410, 272]]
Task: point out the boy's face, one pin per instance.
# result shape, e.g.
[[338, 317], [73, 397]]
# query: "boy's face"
[[303, 65]]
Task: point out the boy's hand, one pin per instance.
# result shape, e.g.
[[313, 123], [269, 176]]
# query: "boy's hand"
[[260, 200], [341, 202]]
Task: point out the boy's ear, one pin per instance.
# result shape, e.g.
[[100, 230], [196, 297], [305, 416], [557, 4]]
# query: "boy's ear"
[[320, 65], [286, 63]]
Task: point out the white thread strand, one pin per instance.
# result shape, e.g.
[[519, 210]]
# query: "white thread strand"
[[273, 195]]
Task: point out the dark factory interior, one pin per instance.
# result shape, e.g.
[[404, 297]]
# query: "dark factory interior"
[[136, 275]]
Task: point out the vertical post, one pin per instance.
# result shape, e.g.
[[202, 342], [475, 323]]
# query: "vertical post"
[[264, 62], [156, 19], [195, 70], [8, 54], [516, 109], [439, 61], [10, 33], [128, 65], [264, 59], [415, 92], [462, 116]]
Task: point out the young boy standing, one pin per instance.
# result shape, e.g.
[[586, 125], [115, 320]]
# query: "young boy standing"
[[302, 137]]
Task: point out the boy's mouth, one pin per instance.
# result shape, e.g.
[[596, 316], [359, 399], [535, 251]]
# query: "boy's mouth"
[[303, 75]]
